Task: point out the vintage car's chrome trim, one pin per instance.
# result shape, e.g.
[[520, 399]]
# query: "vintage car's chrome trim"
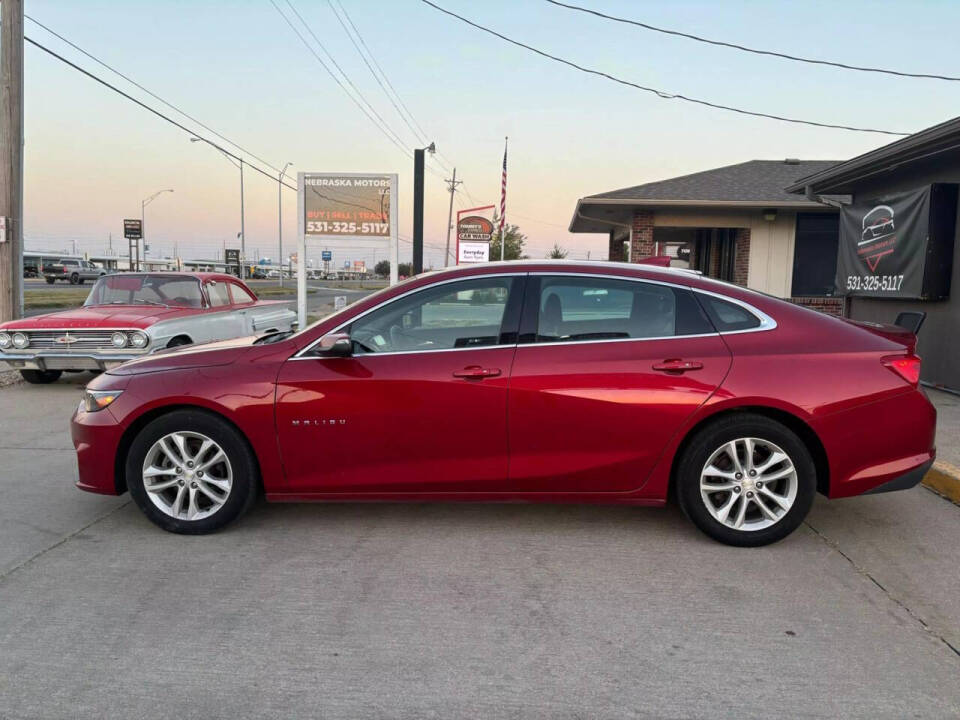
[[65, 361]]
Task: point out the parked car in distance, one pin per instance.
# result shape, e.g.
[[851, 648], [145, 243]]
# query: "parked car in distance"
[[72, 270], [130, 315], [524, 381]]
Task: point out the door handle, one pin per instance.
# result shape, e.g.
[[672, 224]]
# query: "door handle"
[[475, 372], [676, 365]]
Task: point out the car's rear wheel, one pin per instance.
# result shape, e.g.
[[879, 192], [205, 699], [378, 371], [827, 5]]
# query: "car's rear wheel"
[[41, 377], [191, 472], [51, 281], [74, 279], [746, 480]]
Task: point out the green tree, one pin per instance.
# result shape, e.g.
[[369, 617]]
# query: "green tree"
[[514, 249], [558, 253], [405, 269], [382, 268]]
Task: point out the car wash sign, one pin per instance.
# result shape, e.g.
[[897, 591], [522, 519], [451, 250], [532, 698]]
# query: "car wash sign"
[[897, 246], [474, 233]]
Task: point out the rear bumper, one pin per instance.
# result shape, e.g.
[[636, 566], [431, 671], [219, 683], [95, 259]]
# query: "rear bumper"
[[887, 444], [904, 482], [63, 361]]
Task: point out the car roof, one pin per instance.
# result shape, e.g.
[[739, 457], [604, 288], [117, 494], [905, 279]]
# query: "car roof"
[[202, 276], [547, 265]]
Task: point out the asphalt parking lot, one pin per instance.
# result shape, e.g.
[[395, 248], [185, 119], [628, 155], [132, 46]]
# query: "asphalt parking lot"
[[450, 611]]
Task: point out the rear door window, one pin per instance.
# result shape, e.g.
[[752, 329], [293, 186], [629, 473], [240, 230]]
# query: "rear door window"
[[572, 309], [218, 294], [241, 296]]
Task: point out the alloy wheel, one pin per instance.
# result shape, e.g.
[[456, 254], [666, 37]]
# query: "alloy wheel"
[[187, 475], [748, 484]]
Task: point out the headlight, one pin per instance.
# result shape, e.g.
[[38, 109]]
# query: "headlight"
[[20, 341], [119, 339], [5, 340], [139, 339], [96, 400]]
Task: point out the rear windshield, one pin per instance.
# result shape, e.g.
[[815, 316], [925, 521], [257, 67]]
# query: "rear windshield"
[[167, 290]]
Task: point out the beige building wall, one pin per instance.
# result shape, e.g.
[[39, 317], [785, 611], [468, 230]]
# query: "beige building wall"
[[771, 242]]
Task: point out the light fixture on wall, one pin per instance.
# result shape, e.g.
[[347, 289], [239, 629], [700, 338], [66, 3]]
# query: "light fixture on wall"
[[770, 214]]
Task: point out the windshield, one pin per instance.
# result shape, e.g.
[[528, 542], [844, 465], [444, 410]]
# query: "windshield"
[[162, 290]]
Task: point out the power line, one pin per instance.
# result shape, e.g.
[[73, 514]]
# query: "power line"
[[415, 127], [152, 110], [313, 52], [659, 93], [416, 136], [148, 92], [771, 53]]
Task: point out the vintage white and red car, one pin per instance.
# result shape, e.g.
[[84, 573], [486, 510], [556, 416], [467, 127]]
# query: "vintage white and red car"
[[130, 315]]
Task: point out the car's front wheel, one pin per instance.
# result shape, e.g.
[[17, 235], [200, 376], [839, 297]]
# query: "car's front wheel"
[[746, 480], [191, 472], [41, 377]]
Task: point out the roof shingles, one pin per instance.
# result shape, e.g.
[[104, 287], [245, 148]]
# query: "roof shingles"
[[752, 181]]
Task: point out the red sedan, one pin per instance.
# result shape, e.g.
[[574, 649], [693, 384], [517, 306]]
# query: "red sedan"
[[531, 381]]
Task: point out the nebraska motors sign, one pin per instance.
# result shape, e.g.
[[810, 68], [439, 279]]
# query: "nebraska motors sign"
[[891, 246], [347, 205]]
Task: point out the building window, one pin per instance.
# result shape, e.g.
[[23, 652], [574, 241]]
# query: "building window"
[[815, 254]]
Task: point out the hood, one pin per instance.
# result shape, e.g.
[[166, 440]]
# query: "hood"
[[224, 352], [99, 316]]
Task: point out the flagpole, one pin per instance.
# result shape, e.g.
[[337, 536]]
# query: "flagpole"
[[503, 203]]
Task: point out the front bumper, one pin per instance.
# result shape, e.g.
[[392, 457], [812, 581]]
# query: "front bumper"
[[96, 438], [64, 361]]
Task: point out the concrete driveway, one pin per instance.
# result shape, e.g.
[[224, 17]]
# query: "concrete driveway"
[[460, 611]]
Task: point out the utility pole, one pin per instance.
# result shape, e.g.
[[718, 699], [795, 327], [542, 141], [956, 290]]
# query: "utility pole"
[[280, 220], [11, 159], [418, 161], [453, 188]]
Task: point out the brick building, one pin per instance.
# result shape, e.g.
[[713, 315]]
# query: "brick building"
[[734, 223]]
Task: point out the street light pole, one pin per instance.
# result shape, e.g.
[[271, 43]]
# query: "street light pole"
[[280, 220], [243, 230], [243, 233], [418, 168], [143, 234]]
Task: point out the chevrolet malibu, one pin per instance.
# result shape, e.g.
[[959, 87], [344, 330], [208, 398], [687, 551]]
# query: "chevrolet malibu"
[[529, 381]]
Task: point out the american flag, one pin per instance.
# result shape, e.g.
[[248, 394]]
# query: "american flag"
[[503, 193]]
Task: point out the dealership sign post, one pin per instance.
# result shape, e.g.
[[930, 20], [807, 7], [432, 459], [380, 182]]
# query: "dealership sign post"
[[357, 209], [474, 233], [898, 246]]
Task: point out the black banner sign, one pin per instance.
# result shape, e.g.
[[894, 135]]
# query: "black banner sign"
[[883, 246]]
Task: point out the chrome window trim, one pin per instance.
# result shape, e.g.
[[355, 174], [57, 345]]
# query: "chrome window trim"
[[302, 353], [766, 322]]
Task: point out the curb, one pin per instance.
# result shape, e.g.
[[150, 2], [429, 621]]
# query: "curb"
[[944, 479]]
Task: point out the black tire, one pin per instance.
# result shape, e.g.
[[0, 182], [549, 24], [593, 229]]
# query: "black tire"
[[714, 436], [81, 281], [246, 478], [74, 279], [41, 377], [51, 281]]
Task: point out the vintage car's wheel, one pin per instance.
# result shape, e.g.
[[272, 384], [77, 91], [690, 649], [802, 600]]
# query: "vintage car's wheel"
[[41, 377], [746, 480], [191, 472], [74, 279]]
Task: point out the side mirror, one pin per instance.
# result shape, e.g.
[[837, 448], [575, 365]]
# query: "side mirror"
[[336, 345]]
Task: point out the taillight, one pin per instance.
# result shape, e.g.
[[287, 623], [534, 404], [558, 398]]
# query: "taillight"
[[906, 366]]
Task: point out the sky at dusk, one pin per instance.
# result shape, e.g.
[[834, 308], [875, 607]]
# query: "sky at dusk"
[[91, 156]]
